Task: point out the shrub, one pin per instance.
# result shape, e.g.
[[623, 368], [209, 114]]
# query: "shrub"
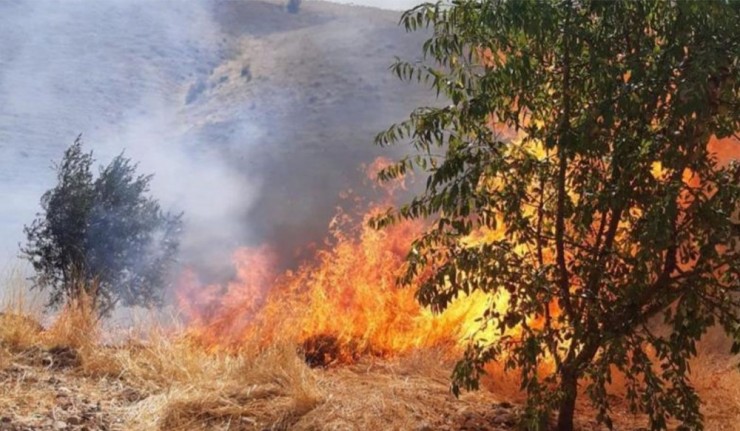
[[105, 232]]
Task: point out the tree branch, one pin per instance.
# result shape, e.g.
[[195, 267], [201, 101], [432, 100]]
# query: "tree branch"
[[563, 144]]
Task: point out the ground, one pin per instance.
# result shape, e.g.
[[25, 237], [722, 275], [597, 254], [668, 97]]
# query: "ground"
[[54, 379]]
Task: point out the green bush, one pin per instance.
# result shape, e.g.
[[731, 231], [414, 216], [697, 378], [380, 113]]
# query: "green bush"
[[105, 229]]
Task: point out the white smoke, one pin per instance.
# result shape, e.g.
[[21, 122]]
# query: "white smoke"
[[382, 4], [117, 72], [251, 119]]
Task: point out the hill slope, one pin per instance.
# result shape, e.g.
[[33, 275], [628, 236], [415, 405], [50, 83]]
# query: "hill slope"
[[252, 119]]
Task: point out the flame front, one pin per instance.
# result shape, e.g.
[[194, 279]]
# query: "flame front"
[[348, 294]]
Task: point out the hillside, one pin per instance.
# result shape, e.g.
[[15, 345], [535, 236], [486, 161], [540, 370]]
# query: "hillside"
[[253, 120]]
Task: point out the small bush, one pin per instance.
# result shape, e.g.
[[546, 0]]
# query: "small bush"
[[105, 232]]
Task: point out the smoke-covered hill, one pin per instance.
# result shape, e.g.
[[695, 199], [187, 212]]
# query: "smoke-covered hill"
[[253, 119]]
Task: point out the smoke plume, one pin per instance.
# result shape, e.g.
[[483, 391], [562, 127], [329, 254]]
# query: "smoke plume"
[[253, 120]]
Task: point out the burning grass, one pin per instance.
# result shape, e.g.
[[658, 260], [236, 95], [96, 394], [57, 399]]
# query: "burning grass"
[[342, 305], [162, 379], [166, 381]]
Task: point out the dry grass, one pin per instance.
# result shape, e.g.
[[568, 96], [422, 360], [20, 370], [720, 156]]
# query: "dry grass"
[[175, 384], [76, 325], [717, 380], [272, 391], [20, 313], [190, 388], [160, 380]]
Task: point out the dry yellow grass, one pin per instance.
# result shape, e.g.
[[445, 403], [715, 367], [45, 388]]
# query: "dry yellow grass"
[[20, 313], [76, 325], [161, 380], [272, 391], [190, 388], [717, 379]]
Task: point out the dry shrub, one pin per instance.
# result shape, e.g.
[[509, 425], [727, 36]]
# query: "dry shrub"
[[76, 325], [20, 313]]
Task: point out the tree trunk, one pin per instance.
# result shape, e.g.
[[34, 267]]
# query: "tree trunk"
[[569, 386]]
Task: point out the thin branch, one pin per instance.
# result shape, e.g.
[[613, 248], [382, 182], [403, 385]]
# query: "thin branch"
[[563, 144]]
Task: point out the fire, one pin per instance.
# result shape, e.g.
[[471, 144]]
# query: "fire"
[[346, 300], [725, 150], [229, 308]]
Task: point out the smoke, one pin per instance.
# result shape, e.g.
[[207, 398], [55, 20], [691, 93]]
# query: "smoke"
[[252, 120], [383, 4], [116, 72]]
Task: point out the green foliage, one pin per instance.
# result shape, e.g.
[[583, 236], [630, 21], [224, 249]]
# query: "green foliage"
[[614, 209], [105, 229]]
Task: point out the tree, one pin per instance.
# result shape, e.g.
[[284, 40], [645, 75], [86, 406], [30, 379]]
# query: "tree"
[[105, 232], [611, 209]]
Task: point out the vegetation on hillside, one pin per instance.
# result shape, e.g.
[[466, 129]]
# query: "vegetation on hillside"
[[293, 6]]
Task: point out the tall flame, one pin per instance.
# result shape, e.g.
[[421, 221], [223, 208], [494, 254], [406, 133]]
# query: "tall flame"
[[348, 294]]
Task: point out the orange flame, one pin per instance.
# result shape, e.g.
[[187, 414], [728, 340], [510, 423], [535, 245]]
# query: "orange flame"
[[349, 293], [346, 298]]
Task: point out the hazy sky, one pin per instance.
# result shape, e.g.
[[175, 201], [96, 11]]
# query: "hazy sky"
[[385, 4]]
